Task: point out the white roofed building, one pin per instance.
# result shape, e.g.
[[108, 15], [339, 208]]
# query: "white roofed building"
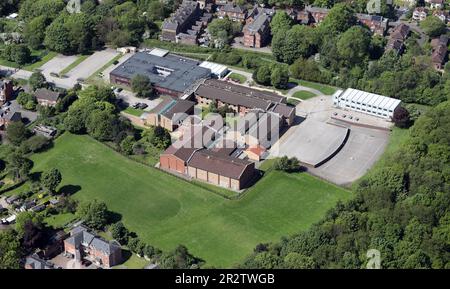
[[366, 102], [217, 70]]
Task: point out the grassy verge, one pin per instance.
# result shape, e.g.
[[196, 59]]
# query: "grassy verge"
[[95, 78], [237, 77], [133, 111], [74, 64], [166, 211], [303, 94], [325, 89]]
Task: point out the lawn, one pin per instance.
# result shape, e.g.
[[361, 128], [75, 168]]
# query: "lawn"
[[41, 57], [303, 94], [237, 77], [325, 89], [134, 111], [166, 211]]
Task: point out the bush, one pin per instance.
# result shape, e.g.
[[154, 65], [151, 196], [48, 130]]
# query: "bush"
[[119, 233], [287, 164], [35, 144], [127, 144]]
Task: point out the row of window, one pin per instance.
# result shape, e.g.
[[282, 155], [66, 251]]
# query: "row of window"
[[370, 106]]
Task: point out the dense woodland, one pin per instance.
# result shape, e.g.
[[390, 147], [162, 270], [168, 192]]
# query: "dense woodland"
[[400, 209]]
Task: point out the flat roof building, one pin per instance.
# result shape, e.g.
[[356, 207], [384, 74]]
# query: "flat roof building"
[[366, 102], [170, 74], [217, 70]]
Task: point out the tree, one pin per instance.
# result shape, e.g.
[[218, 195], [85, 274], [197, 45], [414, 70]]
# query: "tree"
[[295, 260], [16, 132], [280, 21], [141, 85], [433, 26], [161, 138], [57, 36], [353, 46], [51, 179], [340, 18], [18, 53], [10, 250], [262, 75], [289, 45], [27, 100], [223, 30], [287, 164], [401, 117], [280, 77], [19, 166], [37, 80], [34, 32], [100, 124], [27, 217], [119, 232], [94, 214], [35, 144], [126, 145]]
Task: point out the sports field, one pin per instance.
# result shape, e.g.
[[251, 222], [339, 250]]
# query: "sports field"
[[166, 211]]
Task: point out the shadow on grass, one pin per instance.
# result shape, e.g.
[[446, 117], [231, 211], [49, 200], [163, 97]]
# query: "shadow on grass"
[[69, 190]]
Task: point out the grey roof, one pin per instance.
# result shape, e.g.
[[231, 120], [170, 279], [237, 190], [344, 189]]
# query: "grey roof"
[[180, 15], [170, 107], [233, 8], [183, 71], [81, 236], [12, 116], [260, 23], [37, 263], [238, 95], [46, 94]]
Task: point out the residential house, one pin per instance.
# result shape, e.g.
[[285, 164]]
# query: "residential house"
[[6, 91], [257, 32], [180, 21], [46, 97], [83, 244], [233, 11], [55, 245], [8, 116], [440, 50], [377, 24], [441, 14], [397, 38], [317, 13], [435, 4], [170, 113], [420, 13]]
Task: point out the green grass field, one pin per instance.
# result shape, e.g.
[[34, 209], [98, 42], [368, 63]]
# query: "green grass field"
[[237, 77], [166, 211], [325, 89], [303, 94]]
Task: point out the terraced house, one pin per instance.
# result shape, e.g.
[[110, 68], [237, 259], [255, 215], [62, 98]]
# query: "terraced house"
[[257, 32], [180, 20]]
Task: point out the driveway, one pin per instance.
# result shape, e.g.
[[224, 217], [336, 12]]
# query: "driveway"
[[130, 98]]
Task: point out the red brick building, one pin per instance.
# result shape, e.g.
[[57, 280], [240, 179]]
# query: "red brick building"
[[257, 32], [83, 244], [6, 90]]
